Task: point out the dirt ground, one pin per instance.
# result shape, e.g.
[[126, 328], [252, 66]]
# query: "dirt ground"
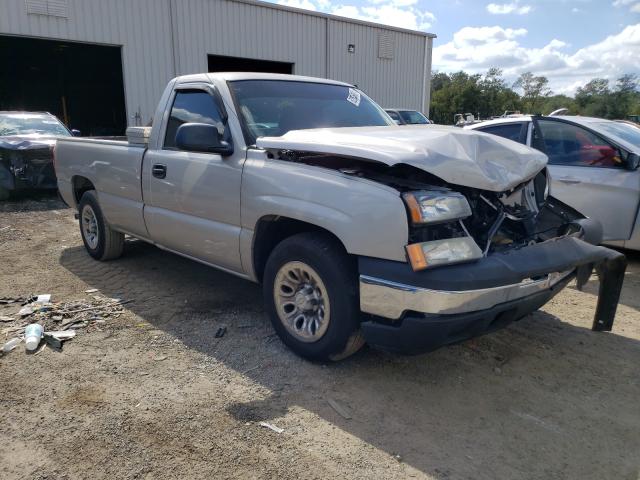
[[153, 394]]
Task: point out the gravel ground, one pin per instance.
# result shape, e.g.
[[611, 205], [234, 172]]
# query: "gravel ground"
[[153, 394]]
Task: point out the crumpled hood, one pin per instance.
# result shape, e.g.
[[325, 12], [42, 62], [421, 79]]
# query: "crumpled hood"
[[457, 156], [26, 142]]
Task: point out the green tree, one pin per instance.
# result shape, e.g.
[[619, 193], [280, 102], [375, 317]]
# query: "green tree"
[[534, 90], [454, 93], [497, 97]]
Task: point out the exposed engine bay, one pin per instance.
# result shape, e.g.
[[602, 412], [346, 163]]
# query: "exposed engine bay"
[[501, 221]]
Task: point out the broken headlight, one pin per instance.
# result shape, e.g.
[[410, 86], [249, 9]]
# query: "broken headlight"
[[429, 207], [443, 252]]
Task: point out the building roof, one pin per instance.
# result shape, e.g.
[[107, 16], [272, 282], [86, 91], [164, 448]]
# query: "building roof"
[[335, 17]]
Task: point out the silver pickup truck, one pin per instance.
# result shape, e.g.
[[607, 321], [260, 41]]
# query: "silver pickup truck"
[[408, 238]]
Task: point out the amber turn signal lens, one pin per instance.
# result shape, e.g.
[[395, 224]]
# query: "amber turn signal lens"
[[414, 208], [416, 257]]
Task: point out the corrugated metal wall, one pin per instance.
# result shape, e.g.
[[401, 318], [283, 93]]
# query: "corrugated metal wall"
[[244, 30], [141, 26], [148, 29], [392, 82]]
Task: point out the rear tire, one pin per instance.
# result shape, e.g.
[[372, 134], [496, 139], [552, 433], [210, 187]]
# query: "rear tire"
[[311, 294], [101, 241]]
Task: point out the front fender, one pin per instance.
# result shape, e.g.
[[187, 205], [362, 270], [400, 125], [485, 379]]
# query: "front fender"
[[368, 218]]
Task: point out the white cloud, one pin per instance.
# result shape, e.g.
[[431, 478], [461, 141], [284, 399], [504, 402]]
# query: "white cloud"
[[397, 13], [634, 5], [508, 8], [475, 49]]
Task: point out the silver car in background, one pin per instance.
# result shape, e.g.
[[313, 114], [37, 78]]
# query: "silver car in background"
[[593, 165]]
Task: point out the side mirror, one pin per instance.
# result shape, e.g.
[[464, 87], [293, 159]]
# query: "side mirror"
[[76, 133], [202, 137], [633, 161]]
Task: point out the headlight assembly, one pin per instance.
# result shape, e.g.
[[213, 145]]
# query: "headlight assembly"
[[443, 252], [428, 207]]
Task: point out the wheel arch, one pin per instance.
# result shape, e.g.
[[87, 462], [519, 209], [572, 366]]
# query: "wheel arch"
[[270, 230], [80, 185]]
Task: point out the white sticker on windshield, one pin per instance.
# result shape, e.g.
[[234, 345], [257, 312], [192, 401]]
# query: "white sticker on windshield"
[[354, 97]]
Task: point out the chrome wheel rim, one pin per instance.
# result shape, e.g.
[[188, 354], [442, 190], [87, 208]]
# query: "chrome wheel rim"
[[302, 301], [90, 227]]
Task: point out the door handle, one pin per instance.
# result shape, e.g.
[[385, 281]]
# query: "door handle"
[[569, 180], [159, 170]]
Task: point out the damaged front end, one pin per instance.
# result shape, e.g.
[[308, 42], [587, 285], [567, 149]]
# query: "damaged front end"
[[26, 165], [477, 259]]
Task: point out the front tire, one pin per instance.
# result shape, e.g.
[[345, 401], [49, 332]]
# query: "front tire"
[[100, 240], [311, 294]]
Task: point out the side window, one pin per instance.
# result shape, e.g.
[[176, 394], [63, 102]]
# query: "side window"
[[394, 116], [567, 144], [191, 106], [512, 131]]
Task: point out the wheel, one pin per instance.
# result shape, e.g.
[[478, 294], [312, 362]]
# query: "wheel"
[[311, 294], [99, 239]]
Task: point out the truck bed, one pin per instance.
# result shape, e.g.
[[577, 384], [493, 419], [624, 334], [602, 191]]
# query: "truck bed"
[[114, 167]]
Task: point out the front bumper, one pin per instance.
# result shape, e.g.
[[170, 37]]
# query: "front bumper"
[[26, 169], [420, 311]]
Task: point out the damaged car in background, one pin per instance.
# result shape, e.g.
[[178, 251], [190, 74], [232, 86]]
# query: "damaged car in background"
[[26, 150], [407, 238]]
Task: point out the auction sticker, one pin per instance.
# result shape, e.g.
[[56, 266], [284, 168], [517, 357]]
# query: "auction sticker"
[[354, 97]]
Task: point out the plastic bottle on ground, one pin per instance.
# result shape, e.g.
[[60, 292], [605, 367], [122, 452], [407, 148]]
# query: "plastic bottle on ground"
[[32, 335]]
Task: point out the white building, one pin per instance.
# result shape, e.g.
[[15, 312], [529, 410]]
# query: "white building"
[[102, 64]]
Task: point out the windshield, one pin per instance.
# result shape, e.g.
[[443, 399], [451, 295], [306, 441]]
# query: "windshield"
[[274, 107], [628, 133], [26, 124], [413, 117]]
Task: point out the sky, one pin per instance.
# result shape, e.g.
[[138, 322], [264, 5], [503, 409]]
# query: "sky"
[[568, 41]]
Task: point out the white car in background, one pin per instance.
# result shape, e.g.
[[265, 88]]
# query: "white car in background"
[[593, 165]]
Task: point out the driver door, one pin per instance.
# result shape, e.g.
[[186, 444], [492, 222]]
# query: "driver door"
[[193, 205], [588, 173]]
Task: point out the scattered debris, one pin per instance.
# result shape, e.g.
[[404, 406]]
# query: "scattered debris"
[[398, 457], [220, 332], [91, 290], [61, 334], [11, 344], [53, 342], [9, 300], [43, 299], [271, 427], [160, 358], [55, 322], [339, 408]]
